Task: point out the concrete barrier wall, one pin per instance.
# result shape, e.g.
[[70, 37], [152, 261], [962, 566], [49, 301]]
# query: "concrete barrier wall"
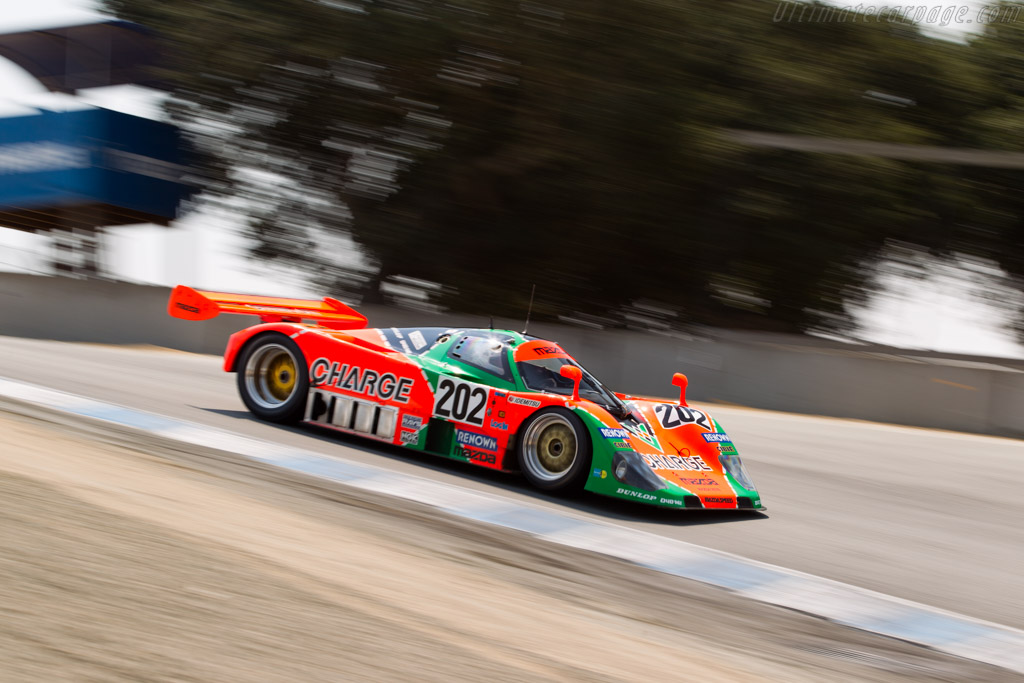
[[778, 372]]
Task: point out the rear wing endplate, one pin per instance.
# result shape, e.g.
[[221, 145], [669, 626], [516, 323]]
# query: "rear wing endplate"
[[193, 304]]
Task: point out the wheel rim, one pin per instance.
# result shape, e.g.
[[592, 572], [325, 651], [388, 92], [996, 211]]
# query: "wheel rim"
[[550, 447], [270, 376]]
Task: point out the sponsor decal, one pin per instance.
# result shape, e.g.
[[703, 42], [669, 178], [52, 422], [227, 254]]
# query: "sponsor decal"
[[640, 432], [479, 456], [546, 350], [460, 401], [621, 444], [757, 502], [416, 337], [671, 501], [676, 462], [718, 499], [476, 440], [384, 386], [524, 401], [636, 494], [727, 447], [499, 394], [671, 416], [699, 482], [503, 426], [716, 436], [601, 474], [410, 437], [412, 422], [186, 307], [614, 433]]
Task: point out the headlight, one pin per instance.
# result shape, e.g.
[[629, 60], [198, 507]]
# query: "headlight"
[[620, 469], [629, 468], [732, 464]]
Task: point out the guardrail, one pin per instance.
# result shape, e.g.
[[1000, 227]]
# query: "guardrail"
[[778, 372]]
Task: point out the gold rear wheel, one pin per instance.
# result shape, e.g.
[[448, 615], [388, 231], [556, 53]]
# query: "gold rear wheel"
[[273, 379]]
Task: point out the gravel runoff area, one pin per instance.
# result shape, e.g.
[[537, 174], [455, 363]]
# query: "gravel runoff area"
[[125, 558]]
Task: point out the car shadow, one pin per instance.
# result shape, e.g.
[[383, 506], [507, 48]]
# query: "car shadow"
[[586, 501]]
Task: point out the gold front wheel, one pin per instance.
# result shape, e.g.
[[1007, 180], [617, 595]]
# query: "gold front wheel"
[[554, 449]]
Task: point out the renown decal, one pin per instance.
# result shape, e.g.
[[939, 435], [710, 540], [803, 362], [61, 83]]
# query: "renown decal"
[[614, 433], [716, 436], [386, 386], [676, 462], [476, 440]]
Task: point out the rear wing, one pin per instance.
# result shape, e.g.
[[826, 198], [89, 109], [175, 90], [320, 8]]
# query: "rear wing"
[[192, 304]]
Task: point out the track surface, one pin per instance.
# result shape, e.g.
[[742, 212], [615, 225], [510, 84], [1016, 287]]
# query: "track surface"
[[923, 515], [127, 558]]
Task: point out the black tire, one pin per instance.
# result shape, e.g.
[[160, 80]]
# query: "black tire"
[[554, 450], [273, 378]]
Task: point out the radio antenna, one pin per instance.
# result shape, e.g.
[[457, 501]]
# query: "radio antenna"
[[530, 309]]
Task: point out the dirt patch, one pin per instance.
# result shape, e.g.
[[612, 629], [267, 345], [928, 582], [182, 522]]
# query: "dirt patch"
[[127, 559]]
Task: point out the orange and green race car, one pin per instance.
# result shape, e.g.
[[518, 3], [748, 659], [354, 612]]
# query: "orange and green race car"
[[493, 398]]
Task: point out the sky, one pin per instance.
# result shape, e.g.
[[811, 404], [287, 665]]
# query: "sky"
[[944, 311]]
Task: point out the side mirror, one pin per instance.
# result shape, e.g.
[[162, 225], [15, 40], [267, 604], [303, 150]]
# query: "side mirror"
[[679, 379], [575, 374]]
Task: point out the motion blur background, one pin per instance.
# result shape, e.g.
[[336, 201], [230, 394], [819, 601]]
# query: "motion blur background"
[[743, 190], [448, 156]]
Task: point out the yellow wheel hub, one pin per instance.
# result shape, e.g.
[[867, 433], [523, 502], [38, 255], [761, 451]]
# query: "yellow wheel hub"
[[556, 447], [281, 376]]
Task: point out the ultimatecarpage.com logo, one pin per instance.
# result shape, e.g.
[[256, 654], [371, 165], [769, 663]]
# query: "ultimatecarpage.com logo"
[[790, 11]]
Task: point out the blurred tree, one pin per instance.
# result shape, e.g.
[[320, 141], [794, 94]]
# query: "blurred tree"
[[577, 144], [994, 226]]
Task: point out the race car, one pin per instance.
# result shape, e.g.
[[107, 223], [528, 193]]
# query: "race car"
[[497, 399]]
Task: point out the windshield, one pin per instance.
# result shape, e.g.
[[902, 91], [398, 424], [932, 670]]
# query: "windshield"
[[542, 374]]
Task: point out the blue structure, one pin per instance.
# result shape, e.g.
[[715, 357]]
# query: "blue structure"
[[72, 173], [91, 167]]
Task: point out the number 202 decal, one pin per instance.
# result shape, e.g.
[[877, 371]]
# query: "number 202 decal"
[[460, 401], [672, 416]]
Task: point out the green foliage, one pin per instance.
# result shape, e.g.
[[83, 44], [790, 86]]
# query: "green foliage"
[[578, 144]]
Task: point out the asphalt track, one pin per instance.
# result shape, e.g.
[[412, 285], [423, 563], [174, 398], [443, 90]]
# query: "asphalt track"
[[924, 515]]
